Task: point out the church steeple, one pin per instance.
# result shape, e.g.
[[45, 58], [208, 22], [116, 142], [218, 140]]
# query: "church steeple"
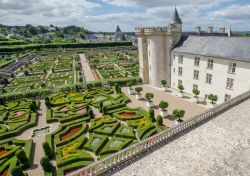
[[118, 30], [176, 19]]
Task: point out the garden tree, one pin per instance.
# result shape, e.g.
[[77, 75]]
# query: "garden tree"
[[196, 92], [32, 87], [17, 171], [44, 71], [22, 158], [53, 70], [47, 102], [151, 113], [100, 106], [91, 114], [26, 72], [43, 85], [47, 150], [213, 98], [163, 105], [178, 114], [80, 79], [149, 96], [164, 83], [117, 88], [4, 81], [33, 106], [181, 88], [4, 91], [46, 164], [138, 90], [159, 120]]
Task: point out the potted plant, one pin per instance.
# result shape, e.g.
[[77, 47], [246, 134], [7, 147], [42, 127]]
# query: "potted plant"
[[196, 93], [181, 88], [130, 89], [178, 115], [138, 91], [164, 85], [213, 99], [163, 105], [149, 96]]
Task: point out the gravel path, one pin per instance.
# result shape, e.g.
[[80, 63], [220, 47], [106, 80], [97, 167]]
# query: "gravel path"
[[86, 69], [218, 148], [174, 102], [36, 168]]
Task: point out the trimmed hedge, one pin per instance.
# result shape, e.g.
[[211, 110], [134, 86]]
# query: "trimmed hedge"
[[102, 140]]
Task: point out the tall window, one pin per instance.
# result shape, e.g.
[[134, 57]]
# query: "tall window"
[[210, 64], [174, 57], [180, 60], [195, 86], [179, 82], [180, 71], [227, 97], [232, 68], [230, 83], [196, 74], [209, 78], [197, 61]]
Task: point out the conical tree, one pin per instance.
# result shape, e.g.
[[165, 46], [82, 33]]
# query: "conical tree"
[[46, 164], [47, 150], [17, 171]]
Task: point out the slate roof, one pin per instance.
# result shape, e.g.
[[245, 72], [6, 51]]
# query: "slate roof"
[[236, 48], [176, 18]]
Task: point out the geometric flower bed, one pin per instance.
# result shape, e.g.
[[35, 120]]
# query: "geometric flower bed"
[[8, 148], [16, 117], [83, 140]]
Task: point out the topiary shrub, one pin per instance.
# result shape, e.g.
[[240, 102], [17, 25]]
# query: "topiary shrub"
[[17, 171], [22, 158], [91, 114], [47, 150], [159, 120], [46, 164], [152, 114]]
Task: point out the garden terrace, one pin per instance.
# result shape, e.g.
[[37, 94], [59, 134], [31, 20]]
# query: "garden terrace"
[[8, 148], [110, 64], [83, 139], [48, 72], [16, 117]]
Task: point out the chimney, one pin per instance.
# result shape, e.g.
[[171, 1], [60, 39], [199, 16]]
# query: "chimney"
[[223, 30], [198, 29], [210, 29]]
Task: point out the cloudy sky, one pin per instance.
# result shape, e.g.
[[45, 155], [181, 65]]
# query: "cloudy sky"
[[104, 15]]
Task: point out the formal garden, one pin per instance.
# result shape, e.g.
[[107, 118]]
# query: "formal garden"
[[15, 118], [84, 138], [48, 72], [110, 64]]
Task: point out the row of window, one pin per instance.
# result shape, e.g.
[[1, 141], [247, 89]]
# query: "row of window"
[[229, 84], [210, 64]]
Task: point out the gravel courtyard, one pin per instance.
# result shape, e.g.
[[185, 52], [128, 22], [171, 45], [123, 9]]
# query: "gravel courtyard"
[[218, 148]]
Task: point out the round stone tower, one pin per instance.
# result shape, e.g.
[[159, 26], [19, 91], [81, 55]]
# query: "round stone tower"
[[155, 45]]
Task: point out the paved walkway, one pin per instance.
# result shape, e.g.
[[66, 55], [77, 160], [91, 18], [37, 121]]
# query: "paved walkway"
[[86, 69], [174, 102], [38, 153], [220, 147]]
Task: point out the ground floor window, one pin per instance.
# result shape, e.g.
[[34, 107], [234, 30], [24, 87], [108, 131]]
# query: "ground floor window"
[[227, 97], [195, 86], [179, 82]]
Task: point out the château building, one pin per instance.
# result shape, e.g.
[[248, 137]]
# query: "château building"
[[213, 62]]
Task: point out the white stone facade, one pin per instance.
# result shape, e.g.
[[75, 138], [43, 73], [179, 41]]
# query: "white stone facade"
[[239, 80]]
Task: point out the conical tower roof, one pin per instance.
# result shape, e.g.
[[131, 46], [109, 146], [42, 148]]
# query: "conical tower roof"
[[176, 18], [118, 30]]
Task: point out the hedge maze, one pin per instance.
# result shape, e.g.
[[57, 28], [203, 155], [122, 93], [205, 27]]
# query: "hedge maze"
[[84, 138], [15, 118]]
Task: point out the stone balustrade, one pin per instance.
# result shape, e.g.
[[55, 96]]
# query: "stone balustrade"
[[122, 156]]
